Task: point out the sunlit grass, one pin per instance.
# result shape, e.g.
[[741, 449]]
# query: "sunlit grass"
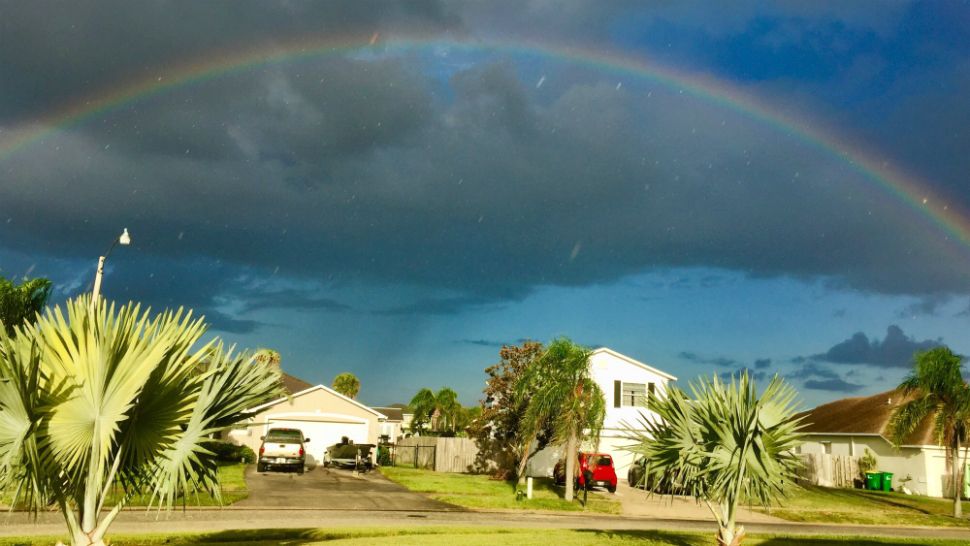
[[481, 492], [835, 505], [231, 480]]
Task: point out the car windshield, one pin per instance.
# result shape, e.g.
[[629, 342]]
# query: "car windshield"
[[288, 436], [603, 461]]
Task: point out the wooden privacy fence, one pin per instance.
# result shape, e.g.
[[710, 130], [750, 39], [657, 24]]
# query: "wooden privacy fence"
[[829, 470], [438, 454]]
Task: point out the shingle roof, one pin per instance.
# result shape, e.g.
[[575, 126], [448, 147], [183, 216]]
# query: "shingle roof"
[[294, 385], [865, 415], [393, 413]]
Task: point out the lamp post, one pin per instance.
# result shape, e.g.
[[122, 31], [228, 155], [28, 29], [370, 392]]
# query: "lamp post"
[[123, 240]]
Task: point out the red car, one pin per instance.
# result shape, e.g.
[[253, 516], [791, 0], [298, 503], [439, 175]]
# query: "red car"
[[599, 464]]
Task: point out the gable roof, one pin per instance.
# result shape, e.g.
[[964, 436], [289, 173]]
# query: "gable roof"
[[392, 413], [611, 352], [293, 384], [316, 388], [865, 415]]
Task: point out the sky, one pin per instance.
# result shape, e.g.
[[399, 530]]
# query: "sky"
[[398, 189]]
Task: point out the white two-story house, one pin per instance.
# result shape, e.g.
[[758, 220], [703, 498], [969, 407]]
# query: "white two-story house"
[[626, 383]]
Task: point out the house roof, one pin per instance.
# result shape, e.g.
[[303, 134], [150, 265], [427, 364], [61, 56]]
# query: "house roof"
[[293, 384], [868, 415], [392, 413], [315, 388], [635, 362]]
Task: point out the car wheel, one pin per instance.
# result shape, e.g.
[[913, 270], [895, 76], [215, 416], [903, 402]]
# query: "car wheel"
[[260, 467], [300, 469], [611, 488]]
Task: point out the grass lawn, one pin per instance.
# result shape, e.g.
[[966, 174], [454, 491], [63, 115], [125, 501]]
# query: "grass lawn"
[[831, 505], [231, 479], [445, 536], [479, 491]]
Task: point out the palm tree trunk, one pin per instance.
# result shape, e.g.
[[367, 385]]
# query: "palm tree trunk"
[[957, 478], [524, 461], [570, 465]]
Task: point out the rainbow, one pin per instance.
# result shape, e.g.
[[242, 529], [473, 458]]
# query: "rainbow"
[[901, 186]]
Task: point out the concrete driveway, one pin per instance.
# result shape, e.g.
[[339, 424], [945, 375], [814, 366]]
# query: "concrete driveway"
[[331, 489]]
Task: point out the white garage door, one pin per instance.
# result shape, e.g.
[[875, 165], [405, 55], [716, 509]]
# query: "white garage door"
[[322, 433]]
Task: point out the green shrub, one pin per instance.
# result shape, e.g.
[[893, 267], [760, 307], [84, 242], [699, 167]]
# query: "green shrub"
[[231, 453]]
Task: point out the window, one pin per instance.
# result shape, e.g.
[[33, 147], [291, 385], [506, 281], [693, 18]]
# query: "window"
[[634, 394], [827, 448]]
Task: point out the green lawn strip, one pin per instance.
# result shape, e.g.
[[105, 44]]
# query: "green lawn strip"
[[231, 481], [835, 505], [480, 492], [480, 536]]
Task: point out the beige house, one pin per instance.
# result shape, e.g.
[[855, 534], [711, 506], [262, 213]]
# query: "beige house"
[[840, 432], [398, 422], [324, 415]]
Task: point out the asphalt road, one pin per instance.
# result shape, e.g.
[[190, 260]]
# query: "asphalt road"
[[330, 489], [325, 498], [216, 520]]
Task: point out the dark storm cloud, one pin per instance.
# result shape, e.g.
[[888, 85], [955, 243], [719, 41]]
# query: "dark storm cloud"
[[437, 306], [370, 169], [762, 363], [56, 52], [816, 376], [813, 370], [291, 298], [756, 375], [896, 349], [715, 361], [492, 343], [928, 305], [832, 385]]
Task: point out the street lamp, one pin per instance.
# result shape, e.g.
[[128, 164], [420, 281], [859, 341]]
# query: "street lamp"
[[123, 240]]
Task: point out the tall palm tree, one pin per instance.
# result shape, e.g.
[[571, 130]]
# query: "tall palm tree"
[[21, 303], [560, 389], [724, 446], [937, 389], [268, 356], [346, 384], [423, 406], [438, 412], [448, 409], [91, 398]]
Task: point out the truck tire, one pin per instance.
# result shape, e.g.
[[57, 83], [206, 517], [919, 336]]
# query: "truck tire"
[[260, 467]]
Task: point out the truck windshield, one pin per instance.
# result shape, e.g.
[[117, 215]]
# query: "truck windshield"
[[291, 436]]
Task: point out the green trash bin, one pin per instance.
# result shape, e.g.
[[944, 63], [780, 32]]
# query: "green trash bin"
[[873, 481], [887, 481]]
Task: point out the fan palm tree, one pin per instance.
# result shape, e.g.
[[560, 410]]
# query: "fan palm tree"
[[94, 398], [724, 446], [346, 384], [936, 388], [21, 303], [559, 389]]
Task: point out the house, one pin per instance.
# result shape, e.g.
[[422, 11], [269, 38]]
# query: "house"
[[398, 422], [626, 383], [324, 415], [839, 433]]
